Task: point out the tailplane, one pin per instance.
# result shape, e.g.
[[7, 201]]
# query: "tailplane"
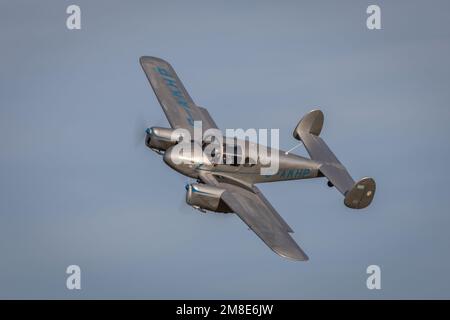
[[357, 195]]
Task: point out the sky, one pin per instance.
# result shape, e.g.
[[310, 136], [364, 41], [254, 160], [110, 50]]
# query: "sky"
[[78, 186]]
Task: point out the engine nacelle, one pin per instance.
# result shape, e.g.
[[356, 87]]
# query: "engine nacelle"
[[161, 139], [202, 196]]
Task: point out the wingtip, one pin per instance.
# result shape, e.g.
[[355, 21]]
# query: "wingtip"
[[146, 59], [302, 258], [297, 255]]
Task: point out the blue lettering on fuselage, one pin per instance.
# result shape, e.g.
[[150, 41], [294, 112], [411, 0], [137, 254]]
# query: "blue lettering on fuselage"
[[294, 173], [176, 93]]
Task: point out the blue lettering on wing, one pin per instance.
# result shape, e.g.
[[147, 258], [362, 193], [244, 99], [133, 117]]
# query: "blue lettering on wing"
[[163, 72], [171, 82], [176, 93]]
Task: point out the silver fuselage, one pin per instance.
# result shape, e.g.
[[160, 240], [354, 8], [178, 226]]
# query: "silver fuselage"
[[290, 166]]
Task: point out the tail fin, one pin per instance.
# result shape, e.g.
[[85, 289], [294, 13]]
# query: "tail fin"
[[357, 195], [361, 195]]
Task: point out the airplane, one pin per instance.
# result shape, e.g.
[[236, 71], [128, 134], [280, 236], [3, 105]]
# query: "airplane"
[[230, 187]]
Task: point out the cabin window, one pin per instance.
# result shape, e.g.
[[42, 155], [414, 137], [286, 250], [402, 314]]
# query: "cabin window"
[[248, 162], [234, 158]]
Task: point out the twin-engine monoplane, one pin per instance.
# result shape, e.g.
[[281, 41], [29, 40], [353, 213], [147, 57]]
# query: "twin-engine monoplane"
[[226, 176]]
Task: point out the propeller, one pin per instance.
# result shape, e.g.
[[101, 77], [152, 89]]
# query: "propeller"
[[139, 131], [183, 206]]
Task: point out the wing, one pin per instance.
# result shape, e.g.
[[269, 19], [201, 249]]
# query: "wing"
[[175, 101], [254, 209]]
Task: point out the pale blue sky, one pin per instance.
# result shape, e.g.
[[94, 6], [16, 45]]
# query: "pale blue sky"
[[76, 187]]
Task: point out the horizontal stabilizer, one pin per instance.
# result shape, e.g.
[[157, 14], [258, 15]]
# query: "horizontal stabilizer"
[[357, 195]]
